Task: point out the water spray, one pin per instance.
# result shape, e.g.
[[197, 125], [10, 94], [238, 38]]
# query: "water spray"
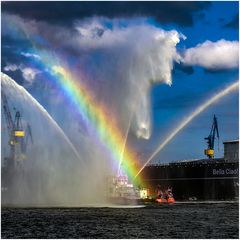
[[201, 108], [44, 111], [124, 144]]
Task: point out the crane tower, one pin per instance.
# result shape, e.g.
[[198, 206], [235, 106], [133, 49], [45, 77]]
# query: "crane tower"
[[18, 137], [211, 138]]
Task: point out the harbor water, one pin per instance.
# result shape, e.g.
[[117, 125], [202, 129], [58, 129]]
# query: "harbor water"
[[180, 220]]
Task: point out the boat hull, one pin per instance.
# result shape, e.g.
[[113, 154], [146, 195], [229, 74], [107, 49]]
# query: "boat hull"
[[200, 180]]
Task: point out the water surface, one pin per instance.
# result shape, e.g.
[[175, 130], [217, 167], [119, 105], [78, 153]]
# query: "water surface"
[[181, 220]]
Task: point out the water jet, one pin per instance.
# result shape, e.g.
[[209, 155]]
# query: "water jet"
[[195, 113]]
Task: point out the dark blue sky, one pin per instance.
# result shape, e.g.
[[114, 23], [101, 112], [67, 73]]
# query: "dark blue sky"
[[192, 85]]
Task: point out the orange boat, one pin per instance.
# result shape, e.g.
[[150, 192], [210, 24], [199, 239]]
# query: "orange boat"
[[166, 197], [171, 200], [161, 200]]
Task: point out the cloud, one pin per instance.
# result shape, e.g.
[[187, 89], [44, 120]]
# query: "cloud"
[[28, 73], [30, 55], [11, 67], [218, 55], [180, 13]]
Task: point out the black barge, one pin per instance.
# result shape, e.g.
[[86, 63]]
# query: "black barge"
[[202, 179]]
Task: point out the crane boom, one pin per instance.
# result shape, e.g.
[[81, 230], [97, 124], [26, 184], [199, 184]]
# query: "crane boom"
[[211, 138], [7, 114]]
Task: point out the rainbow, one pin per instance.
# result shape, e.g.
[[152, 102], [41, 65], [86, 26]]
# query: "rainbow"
[[94, 114]]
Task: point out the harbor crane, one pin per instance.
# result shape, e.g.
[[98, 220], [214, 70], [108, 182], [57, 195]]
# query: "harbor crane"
[[18, 137], [211, 138]]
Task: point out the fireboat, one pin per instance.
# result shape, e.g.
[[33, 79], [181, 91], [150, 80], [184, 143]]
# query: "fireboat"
[[122, 192]]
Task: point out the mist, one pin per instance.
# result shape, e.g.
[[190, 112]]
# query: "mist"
[[120, 62], [52, 172]]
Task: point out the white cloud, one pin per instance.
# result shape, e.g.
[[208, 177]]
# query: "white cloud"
[[222, 54], [29, 55], [29, 74], [11, 67]]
